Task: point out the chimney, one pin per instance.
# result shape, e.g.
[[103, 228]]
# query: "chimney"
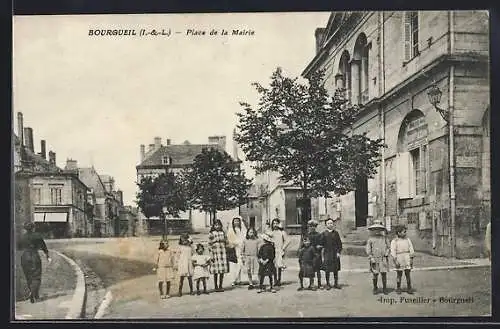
[[28, 139], [71, 164], [43, 149], [168, 141], [20, 127], [157, 143], [143, 152], [220, 140], [319, 33], [151, 147], [52, 158]]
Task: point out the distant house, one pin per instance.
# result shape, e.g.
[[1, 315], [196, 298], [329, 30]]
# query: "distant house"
[[174, 158]]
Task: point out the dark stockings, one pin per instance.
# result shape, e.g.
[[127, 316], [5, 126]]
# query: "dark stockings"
[[204, 282], [181, 283], [408, 279], [261, 281], [277, 276], [160, 287], [218, 279], [375, 281]]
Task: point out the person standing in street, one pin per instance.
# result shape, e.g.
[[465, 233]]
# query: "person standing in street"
[[250, 250], [280, 241], [402, 253], [201, 264], [316, 240], [185, 262], [378, 249], [164, 267], [31, 242], [217, 243], [236, 234], [332, 247], [307, 255], [266, 257]]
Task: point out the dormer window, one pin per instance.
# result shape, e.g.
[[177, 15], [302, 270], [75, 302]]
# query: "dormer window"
[[166, 160]]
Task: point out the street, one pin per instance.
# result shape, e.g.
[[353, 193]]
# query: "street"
[[125, 268]]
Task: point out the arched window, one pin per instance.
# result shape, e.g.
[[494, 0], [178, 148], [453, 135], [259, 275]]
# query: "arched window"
[[412, 159], [411, 31], [359, 70], [343, 77]]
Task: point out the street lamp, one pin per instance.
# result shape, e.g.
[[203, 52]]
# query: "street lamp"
[[434, 94]]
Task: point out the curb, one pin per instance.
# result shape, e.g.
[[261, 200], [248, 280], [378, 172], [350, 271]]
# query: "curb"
[[104, 305], [419, 269], [76, 309]]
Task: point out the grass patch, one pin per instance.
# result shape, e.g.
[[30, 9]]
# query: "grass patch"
[[58, 278]]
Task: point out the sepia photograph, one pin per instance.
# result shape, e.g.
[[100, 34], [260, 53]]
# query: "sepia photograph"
[[298, 165]]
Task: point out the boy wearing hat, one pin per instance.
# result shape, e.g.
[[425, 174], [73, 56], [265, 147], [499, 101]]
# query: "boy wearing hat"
[[378, 249]]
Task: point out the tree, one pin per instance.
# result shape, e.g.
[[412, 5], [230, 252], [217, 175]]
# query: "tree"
[[160, 196], [215, 182], [305, 135]]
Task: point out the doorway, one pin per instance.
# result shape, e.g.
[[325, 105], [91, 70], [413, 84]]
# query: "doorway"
[[252, 221], [361, 201]]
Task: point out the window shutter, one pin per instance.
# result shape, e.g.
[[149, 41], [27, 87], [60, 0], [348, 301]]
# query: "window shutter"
[[403, 171], [407, 35]]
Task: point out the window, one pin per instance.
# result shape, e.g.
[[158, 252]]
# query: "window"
[[166, 160], [418, 157], [56, 195], [411, 34], [37, 195]]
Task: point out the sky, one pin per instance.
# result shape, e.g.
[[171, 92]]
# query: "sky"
[[95, 99]]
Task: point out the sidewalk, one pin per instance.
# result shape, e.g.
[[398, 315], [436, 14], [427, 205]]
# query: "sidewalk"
[[56, 292]]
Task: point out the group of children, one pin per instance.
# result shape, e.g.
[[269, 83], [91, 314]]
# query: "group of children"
[[264, 257]]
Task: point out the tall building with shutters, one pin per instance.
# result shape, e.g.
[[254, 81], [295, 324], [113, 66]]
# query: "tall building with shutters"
[[434, 175]]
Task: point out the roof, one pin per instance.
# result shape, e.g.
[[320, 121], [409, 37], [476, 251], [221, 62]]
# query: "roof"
[[181, 154], [90, 178]]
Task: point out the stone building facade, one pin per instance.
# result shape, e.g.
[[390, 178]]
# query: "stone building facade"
[[387, 62], [174, 158]]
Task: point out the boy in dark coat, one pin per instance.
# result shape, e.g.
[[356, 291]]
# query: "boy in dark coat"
[[332, 246], [307, 257], [316, 240], [265, 256]]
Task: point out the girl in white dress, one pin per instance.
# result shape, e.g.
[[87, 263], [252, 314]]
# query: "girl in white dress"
[[281, 241], [236, 234], [402, 253], [185, 262], [201, 272]]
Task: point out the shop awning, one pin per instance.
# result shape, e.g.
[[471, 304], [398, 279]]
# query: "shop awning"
[[39, 217], [56, 217]]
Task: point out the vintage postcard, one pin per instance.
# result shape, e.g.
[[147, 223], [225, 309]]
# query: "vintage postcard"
[[301, 165]]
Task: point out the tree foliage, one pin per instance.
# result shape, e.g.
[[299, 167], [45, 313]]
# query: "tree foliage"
[[215, 182], [161, 195], [305, 135]]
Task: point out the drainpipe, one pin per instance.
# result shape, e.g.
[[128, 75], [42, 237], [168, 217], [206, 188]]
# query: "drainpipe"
[[451, 157], [381, 112]]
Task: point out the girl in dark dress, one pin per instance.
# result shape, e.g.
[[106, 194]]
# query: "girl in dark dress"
[[31, 263], [266, 257], [332, 246]]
